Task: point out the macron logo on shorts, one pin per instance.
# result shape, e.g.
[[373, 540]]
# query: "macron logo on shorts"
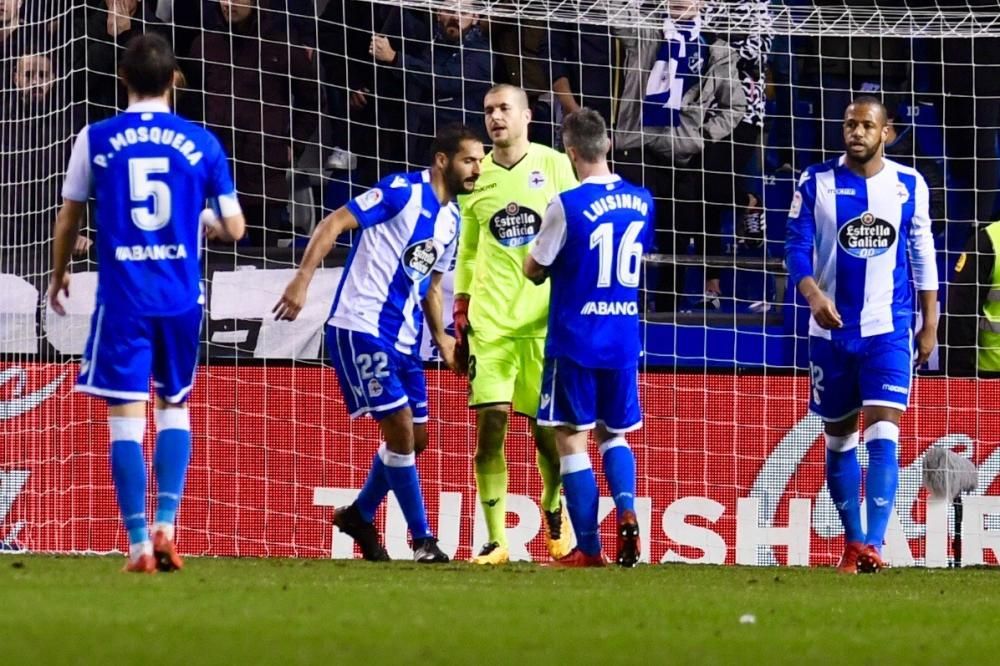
[[892, 388]]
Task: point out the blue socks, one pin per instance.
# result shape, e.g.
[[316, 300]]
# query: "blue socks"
[[843, 478], [170, 462], [375, 489], [581, 500], [882, 439], [128, 469], [401, 474], [619, 470]]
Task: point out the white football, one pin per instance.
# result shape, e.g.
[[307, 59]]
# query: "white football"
[[208, 218]]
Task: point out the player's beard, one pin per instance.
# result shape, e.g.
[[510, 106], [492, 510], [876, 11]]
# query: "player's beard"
[[456, 184], [867, 156]]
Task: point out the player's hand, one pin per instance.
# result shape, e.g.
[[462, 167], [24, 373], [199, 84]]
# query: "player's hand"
[[381, 49], [82, 246], [926, 340], [824, 311], [446, 346], [358, 99], [291, 302], [57, 286], [460, 316]]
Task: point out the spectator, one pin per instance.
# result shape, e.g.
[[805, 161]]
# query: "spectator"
[[680, 90], [368, 98], [10, 21], [733, 167], [971, 332], [581, 60], [110, 26], [447, 83], [901, 146], [36, 139], [838, 68], [520, 45], [262, 101], [972, 110]]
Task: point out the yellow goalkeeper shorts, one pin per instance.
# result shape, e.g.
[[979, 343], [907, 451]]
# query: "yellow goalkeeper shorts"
[[506, 371]]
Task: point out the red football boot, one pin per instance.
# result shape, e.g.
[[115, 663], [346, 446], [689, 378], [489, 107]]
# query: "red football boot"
[[629, 546], [849, 560], [145, 564], [577, 559], [165, 553], [870, 560]]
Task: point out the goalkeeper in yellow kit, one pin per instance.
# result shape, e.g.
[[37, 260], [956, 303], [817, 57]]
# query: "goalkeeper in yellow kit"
[[501, 316]]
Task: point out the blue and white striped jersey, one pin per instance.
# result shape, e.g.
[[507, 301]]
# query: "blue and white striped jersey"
[[405, 234], [859, 238]]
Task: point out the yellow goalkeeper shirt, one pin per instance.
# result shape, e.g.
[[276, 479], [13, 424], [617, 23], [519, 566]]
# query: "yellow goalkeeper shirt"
[[500, 220]]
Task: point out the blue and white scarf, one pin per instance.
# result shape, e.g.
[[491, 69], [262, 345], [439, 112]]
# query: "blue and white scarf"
[[678, 67]]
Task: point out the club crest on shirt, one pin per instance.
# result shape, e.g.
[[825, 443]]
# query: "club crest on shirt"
[[902, 194], [536, 180], [419, 258], [867, 236], [515, 225]]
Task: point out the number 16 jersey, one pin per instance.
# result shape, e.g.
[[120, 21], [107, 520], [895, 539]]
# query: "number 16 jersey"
[[592, 240], [151, 172]]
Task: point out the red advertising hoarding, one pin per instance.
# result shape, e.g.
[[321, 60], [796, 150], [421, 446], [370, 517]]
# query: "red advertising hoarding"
[[730, 468]]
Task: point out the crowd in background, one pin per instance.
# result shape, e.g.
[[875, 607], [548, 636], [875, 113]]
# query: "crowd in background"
[[316, 100]]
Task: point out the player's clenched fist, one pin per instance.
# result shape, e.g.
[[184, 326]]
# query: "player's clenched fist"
[[290, 304]]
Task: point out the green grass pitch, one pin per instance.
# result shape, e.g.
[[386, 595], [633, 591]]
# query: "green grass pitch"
[[56, 610]]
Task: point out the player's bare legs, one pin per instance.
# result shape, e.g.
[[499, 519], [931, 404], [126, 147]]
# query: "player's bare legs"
[[556, 520], [127, 424], [862, 551], [491, 480]]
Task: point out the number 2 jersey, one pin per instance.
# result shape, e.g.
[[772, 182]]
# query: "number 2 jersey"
[[592, 241], [859, 238], [151, 173]]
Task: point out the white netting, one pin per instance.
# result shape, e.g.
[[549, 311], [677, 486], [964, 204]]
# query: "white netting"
[[311, 114]]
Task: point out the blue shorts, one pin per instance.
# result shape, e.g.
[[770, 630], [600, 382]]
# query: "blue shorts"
[[375, 378], [848, 374], [124, 349], [577, 397]]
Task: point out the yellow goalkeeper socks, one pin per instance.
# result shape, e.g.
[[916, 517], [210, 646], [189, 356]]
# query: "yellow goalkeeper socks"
[[492, 488], [551, 481], [547, 459]]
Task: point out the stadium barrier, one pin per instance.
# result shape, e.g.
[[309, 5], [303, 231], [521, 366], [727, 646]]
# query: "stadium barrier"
[[739, 481]]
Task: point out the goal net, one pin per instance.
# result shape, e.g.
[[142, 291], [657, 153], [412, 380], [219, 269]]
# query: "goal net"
[[315, 101]]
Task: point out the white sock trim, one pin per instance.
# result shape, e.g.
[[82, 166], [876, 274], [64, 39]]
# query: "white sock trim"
[[166, 528], [842, 444], [882, 430], [173, 419], [612, 443], [574, 462], [390, 459], [126, 428]]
